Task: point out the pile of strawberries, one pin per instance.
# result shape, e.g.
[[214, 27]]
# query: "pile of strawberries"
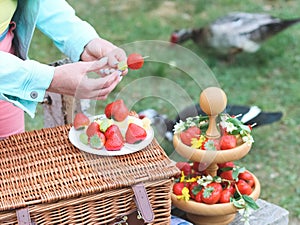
[[227, 141], [230, 185], [105, 133], [233, 133]]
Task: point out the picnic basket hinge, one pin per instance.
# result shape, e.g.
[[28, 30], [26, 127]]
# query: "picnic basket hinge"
[[145, 210], [23, 216]]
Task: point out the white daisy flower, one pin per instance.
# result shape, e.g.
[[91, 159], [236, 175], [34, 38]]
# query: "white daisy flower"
[[230, 127], [179, 127]]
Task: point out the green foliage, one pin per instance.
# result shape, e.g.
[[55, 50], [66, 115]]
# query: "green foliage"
[[268, 78]]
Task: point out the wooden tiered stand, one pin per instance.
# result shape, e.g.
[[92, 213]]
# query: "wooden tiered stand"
[[213, 101]]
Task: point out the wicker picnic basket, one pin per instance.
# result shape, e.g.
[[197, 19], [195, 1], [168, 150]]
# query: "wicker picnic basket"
[[44, 177]]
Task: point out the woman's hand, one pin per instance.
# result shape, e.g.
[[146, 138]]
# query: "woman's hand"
[[72, 79], [99, 48]]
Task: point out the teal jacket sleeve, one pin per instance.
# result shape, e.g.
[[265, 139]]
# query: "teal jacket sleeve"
[[70, 34], [23, 82]]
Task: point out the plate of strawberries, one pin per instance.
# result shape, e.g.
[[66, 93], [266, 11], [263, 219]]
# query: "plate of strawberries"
[[116, 132]]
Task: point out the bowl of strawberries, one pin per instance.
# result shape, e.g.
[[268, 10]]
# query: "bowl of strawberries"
[[215, 137], [215, 200], [191, 142]]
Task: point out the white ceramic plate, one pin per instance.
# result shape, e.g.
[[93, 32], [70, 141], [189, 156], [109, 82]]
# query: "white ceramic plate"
[[127, 148]]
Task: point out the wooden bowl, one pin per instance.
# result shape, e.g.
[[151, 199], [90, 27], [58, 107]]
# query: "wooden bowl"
[[204, 156], [217, 214]]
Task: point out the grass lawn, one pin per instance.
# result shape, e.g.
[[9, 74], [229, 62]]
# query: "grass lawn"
[[269, 78]]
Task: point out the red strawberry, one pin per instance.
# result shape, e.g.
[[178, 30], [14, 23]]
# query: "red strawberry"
[[80, 121], [119, 110], [185, 167], [195, 166], [187, 135], [246, 176], [135, 61], [107, 110], [226, 164], [194, 188], [227, 175], [243, 187], [92, 129], [211, 193], [177, 188], [97, 141], [135, 133], [198, 196], [114, 140], [226, 194], [228, 142]]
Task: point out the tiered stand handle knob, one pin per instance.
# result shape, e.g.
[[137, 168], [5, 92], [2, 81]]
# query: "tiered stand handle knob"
[[212, 101]]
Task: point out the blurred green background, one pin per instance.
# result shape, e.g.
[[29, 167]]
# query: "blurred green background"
[[268, 78]]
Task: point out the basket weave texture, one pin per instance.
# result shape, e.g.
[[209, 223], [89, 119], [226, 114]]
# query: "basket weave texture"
[[60, 184]]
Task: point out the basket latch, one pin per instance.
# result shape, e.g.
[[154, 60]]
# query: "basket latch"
[[23, 217], [143, 203]]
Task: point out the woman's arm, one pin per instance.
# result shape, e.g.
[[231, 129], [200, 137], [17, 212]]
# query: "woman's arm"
[[57, 20], [23, 82]]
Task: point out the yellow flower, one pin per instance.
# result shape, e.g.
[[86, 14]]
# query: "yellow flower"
[[185, 194], [192, 179], [182, 178], [197, 142]]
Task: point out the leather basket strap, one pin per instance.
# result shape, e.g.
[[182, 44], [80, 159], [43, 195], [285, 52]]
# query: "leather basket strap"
[[23, 217], [142, 202]]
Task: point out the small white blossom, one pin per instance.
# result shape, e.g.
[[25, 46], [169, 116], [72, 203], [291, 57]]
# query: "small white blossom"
[[179, 127], [241, 202], [248, 139], [230, 127], [191, 121], [241, 211], [205, 180], [224, 117], [223, 124]]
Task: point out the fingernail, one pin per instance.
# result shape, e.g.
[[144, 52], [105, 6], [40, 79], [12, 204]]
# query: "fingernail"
[[112, 70], [104, 60], [106, 71], [102, 71]]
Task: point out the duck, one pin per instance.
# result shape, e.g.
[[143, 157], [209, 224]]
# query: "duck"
[[253, 116], [235, 32]]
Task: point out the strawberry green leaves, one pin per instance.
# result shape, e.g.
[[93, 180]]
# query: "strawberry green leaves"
[[245, 203]]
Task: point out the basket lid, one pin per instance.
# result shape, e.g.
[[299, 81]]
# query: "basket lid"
[[42, 166]]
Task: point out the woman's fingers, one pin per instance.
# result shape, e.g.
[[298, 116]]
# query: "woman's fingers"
[[72, 79], [98, 88], [95, 66], [116, 56]]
